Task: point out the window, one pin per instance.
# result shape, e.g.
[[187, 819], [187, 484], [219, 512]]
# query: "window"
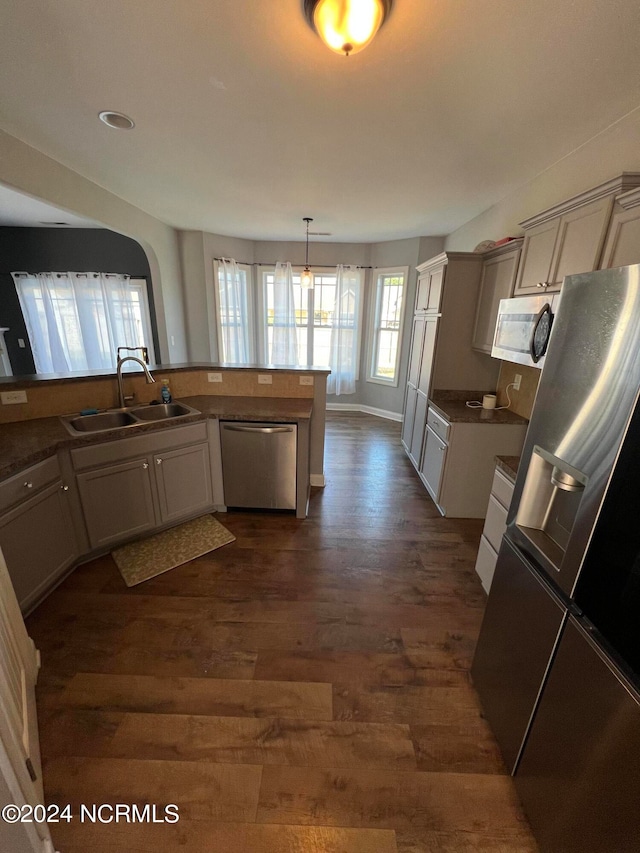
[[76, 321], [314, 317], [235, 313], [387, 325]]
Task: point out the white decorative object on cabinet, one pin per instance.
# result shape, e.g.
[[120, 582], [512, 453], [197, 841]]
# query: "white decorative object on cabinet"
[[494, 528]]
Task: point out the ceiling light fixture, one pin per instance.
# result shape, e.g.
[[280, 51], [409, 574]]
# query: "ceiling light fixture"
[[306, 279], [119, 121], [347, 26]]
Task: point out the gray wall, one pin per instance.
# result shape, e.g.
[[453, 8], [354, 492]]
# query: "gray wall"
[[198, 249], [29, 171], [615, 150], [59, 250]]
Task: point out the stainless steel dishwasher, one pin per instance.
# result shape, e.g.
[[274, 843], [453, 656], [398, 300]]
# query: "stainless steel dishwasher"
[[259, 464]]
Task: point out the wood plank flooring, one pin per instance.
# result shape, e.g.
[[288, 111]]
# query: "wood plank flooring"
[[302, 690]]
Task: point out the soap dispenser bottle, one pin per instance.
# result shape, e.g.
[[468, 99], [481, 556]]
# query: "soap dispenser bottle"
[[166, 391]]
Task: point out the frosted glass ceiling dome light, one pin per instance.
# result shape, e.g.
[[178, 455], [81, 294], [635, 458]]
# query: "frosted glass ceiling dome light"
[[347, 26]]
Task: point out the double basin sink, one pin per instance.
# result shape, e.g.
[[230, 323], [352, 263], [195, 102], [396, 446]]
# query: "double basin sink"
[[123, 418]]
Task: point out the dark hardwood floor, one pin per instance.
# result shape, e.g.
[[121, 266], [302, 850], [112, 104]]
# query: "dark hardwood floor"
[[302, 690]]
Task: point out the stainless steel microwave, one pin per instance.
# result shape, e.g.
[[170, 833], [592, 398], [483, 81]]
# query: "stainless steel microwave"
[[523, 328]]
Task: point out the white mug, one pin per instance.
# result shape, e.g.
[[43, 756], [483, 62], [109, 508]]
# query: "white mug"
[[489, 401]]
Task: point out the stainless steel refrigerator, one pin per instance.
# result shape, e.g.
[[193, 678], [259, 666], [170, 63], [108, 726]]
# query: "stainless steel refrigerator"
[[557, 664]]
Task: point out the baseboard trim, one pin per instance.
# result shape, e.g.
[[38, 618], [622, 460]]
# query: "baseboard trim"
[[317, 480], [369, 410]]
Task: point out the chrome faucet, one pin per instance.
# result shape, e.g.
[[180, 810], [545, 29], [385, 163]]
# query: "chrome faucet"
[[121, 361]]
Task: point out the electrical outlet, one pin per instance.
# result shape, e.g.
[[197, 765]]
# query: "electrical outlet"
[[214, 377], [517, 381], [265, 379], [306, 380], [10, 397]]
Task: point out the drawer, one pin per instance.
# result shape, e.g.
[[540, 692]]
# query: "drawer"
[[25, 484], [502, 489], [438, 424], [154, 441], [495, 523], [486, 564]]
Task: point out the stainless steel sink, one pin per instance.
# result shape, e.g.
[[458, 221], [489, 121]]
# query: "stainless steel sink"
[[161, 412], [102, 421], [125, 418]]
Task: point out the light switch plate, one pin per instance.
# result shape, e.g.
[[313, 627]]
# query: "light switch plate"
[[214, 377], [21, 343], [306, 380], [11, 397], [265, 379]]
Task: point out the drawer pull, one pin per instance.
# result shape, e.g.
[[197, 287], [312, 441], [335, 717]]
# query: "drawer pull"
[[145, 464], [28, 485], [64, 488], [158, 461]]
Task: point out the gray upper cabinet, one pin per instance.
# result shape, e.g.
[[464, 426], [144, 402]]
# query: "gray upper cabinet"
[[622, 247], [497, 282], [569, 237], [429, 292], [37, 534]]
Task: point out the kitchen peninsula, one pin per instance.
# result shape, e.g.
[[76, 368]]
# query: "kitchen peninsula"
[[86, 492]]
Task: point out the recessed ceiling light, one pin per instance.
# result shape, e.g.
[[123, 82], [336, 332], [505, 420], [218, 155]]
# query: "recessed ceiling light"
[[118, 120]]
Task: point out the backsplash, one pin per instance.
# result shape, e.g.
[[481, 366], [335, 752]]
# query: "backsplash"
[[59, 397], [522, 400]]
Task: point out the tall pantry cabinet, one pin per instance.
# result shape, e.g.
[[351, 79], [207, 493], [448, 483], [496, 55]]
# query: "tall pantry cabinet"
[[441, 356]]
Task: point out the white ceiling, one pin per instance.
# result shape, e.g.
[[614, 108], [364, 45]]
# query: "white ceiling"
[[23, 211], [245, 122]]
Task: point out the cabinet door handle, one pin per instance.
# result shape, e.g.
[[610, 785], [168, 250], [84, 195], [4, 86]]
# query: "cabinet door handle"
[[28, 485], [64, 488], [145, 464], [158, 461]]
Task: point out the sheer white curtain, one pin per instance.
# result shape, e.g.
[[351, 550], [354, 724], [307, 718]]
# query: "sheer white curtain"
[[234, 313], [343, 359], [76, 321], [284, 344]]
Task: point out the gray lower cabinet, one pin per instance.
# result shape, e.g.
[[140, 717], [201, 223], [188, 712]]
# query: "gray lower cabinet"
[[38, 542], [135, 485], [435, 453], [183, 481], [117, 501]]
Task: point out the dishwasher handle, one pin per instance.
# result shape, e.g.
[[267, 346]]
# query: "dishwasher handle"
[[268, 430]]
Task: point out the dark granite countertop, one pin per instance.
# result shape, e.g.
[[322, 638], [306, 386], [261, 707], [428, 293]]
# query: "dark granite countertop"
[[508, 465], [452, 406], [24, 443]]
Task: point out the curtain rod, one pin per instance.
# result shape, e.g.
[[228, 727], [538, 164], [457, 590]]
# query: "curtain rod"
[[313, 266]]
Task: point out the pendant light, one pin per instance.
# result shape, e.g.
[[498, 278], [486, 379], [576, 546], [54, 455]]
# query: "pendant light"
[[346, 26], [306, 279]]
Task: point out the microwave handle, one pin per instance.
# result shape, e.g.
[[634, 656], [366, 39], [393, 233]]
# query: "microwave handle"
[[536, 354]]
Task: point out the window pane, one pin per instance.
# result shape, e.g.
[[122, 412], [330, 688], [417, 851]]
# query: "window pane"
[[388, 319]]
